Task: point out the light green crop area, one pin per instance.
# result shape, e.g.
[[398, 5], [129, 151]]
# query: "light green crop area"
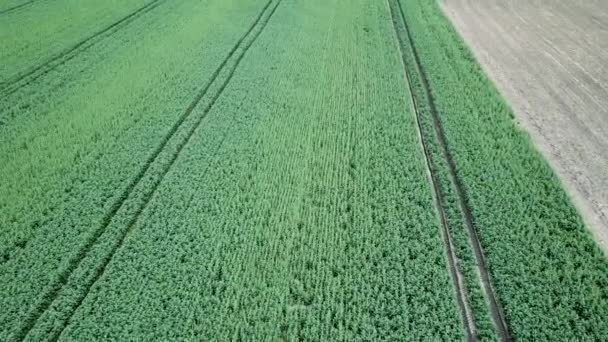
[[273, 170]]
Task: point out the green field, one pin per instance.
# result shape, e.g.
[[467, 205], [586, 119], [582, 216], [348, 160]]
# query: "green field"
[[274, 170]]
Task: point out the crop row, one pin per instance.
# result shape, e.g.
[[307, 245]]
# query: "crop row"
[[549, 275], [14, 83], [300, 210], [475, 311], [14, 5], [179, 181], [72, 154], [28, 41], [90, 263]]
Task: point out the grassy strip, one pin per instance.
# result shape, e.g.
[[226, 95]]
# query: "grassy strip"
[[550, 276], [300, 211], [69, 157]]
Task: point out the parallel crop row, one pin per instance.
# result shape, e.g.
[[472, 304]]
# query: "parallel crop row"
[[300, 212], [75, 153], [475, 308], [42, 30], [14, 83], [194, 179], [549, 275], [12, 6], [65, 295]]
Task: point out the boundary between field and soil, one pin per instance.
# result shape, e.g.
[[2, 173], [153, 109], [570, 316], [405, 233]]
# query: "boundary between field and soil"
[[496, 310], [589, 209], [23, 79], [52, 293]]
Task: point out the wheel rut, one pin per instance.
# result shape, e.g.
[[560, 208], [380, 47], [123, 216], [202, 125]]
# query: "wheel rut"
[[16, 7], [19, 81], [150, 176], [496, 310], [457, 277]]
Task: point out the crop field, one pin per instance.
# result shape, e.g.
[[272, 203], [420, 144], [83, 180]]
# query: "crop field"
[[274, 170], [558, 52]]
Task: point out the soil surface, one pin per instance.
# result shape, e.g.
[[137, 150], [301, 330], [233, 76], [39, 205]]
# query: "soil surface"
[[549, 58]]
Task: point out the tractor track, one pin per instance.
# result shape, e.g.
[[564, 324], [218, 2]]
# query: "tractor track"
[[496, 309], [457, 277], [19, 81], [52, 294], [16, 7]]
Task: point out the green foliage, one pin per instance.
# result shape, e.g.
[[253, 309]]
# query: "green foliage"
[[36, 32], [550, 276], [483, 325], [81, 133], [299, 209], [289, 200]]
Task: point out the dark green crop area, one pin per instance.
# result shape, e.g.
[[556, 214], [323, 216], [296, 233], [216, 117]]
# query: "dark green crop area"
[[273, 170]]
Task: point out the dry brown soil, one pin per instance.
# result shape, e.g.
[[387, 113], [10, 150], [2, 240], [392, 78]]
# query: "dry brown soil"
[[549, 58]]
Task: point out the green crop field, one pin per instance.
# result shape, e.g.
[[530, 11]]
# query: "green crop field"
[[274, 170]]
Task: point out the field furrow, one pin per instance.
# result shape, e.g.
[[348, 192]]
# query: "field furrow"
[[86, 273], [524, 220], [20, 80], [284, 170], [33, 35], [46, 246], [466, 311], [455, 183], [294, 212], [14, 7]]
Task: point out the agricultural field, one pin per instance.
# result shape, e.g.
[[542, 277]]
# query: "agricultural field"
[[274, 170], [558, 50]]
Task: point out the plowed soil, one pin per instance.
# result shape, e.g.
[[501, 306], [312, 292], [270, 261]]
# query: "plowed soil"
[[549, 58]]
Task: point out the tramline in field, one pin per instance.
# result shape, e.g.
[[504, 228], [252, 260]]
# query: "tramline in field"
[[274, 169]]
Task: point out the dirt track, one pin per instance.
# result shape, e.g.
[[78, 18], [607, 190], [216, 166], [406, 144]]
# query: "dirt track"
[[549, 58]]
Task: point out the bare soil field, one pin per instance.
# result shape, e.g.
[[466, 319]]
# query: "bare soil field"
[[549, 59]]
